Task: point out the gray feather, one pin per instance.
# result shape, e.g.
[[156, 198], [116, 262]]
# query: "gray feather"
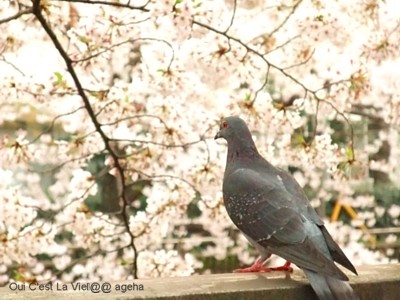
[[328, 288]]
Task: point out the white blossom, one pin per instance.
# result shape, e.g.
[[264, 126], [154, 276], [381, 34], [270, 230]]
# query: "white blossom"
[[154, 82]]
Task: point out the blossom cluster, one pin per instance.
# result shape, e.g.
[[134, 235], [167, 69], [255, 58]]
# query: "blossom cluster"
[[107, 155]]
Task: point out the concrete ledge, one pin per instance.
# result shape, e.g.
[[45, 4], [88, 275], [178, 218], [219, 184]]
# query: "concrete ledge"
[[374, 282]]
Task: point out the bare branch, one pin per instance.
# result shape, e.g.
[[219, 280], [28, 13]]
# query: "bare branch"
[[251, 50], [48, 129], [293, 10], [17, 15], [286, 74], [282, 45], [110, 3], [37, 11], [136, 117], [52, 169], [300, 63], [233, 16], [127, 42], [346, 119], [158, 143], [12, 65]]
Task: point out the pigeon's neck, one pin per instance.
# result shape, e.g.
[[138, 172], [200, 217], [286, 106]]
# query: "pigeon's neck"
[[242, 150]]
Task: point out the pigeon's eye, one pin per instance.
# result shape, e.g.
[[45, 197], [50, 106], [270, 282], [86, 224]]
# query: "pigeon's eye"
[[224, 124]]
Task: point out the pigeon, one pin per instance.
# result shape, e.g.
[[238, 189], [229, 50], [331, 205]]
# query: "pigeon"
[[272, 211]]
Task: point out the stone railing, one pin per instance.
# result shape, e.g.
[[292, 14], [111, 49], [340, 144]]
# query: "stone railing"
[[380, 282]]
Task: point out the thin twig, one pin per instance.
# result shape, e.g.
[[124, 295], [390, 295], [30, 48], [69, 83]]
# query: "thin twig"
[[233, 16], [109, 3], [16, 16]]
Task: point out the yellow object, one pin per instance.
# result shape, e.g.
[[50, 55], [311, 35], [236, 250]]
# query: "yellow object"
[[353, 215]]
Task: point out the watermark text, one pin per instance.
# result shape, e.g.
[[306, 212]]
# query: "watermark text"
[[92, 287]]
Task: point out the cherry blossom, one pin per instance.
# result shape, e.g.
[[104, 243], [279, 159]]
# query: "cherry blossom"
[[109, 111]]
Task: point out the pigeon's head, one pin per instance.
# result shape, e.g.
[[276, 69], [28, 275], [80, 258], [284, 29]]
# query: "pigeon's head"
[[232, 128]]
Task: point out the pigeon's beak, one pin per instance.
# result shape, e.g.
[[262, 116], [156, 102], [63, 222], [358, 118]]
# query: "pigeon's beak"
[[217, 136]]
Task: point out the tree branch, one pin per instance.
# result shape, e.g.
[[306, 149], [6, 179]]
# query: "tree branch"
[[37, 11], [109, 3], [17, 15], [284, 73]]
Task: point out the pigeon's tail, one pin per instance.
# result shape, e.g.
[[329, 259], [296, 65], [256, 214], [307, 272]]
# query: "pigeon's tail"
[[328, 288]]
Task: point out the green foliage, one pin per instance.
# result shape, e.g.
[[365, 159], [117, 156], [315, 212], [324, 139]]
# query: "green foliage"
[[59, 82]]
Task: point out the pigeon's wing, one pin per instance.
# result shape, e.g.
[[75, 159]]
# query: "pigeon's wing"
[[292, 186], [297, 192], [265, 211], [337, 253]]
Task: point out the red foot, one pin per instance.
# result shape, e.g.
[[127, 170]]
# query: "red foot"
[[285, 267], [256, 267]]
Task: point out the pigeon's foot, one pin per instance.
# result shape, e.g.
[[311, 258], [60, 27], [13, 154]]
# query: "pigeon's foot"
[[285, 267], [256, 267]]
